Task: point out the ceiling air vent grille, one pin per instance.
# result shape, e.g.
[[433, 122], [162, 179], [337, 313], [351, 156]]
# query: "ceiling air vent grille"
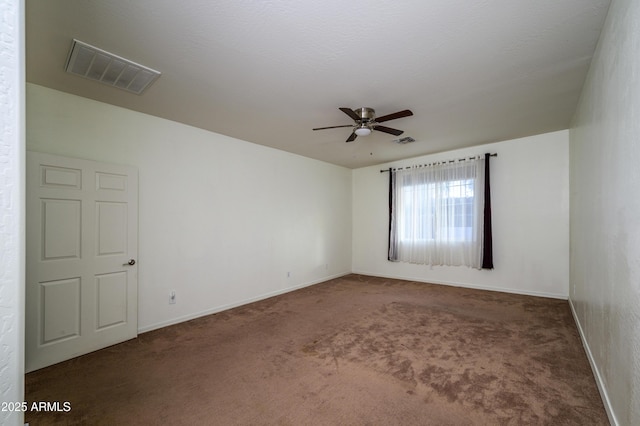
[[405, 140], [96, 64]]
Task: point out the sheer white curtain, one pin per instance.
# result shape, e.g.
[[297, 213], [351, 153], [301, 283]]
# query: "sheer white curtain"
[[437, 214]]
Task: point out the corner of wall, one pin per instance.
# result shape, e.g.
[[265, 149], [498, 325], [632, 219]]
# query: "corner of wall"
[[603, 241], [12, 149]]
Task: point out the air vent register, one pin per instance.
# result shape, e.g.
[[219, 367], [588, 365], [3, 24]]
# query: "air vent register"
[[96, 64]]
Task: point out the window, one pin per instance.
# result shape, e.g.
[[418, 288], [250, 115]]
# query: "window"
[[437, 214], [457, 198]]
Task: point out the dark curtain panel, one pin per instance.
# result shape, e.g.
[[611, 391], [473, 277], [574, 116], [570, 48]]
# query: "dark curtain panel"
[[487, 256], [391, 191]]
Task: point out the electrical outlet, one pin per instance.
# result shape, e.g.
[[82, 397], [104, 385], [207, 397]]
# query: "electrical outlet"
[[172, 297]]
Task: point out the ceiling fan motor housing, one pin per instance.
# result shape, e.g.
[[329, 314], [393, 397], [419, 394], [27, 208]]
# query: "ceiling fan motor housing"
[[366, 114]]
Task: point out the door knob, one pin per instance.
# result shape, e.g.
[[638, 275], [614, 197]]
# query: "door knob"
[[130, 263]]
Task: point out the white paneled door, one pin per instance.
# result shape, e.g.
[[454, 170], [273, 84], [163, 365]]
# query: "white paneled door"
[[82, 246]]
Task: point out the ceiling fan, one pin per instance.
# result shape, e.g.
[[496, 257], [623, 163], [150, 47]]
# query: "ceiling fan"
[[366, 121]]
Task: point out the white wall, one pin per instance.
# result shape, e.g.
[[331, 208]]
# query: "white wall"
[[605, 212], [530, 203], [11, 208], [222, 221]]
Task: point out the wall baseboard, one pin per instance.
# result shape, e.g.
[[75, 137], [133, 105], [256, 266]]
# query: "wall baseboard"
[[217, 309], [594, 368], [466, 285]]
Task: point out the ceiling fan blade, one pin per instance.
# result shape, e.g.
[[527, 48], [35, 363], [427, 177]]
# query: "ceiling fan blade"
[[385, 129], [350, 113], [352, 137], [333, 127], [399, 114]]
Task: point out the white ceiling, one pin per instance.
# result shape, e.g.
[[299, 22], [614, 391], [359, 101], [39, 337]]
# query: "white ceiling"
[[268, 72]]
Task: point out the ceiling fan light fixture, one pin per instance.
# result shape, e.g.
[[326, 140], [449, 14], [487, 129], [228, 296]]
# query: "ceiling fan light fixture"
[[363, 131]]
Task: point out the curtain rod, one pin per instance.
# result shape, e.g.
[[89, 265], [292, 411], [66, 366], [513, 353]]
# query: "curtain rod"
[[450, 161]]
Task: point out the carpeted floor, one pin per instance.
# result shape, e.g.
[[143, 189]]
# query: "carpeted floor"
[[355, 350]]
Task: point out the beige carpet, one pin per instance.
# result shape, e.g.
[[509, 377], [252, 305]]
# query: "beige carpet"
[[355, 350]]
